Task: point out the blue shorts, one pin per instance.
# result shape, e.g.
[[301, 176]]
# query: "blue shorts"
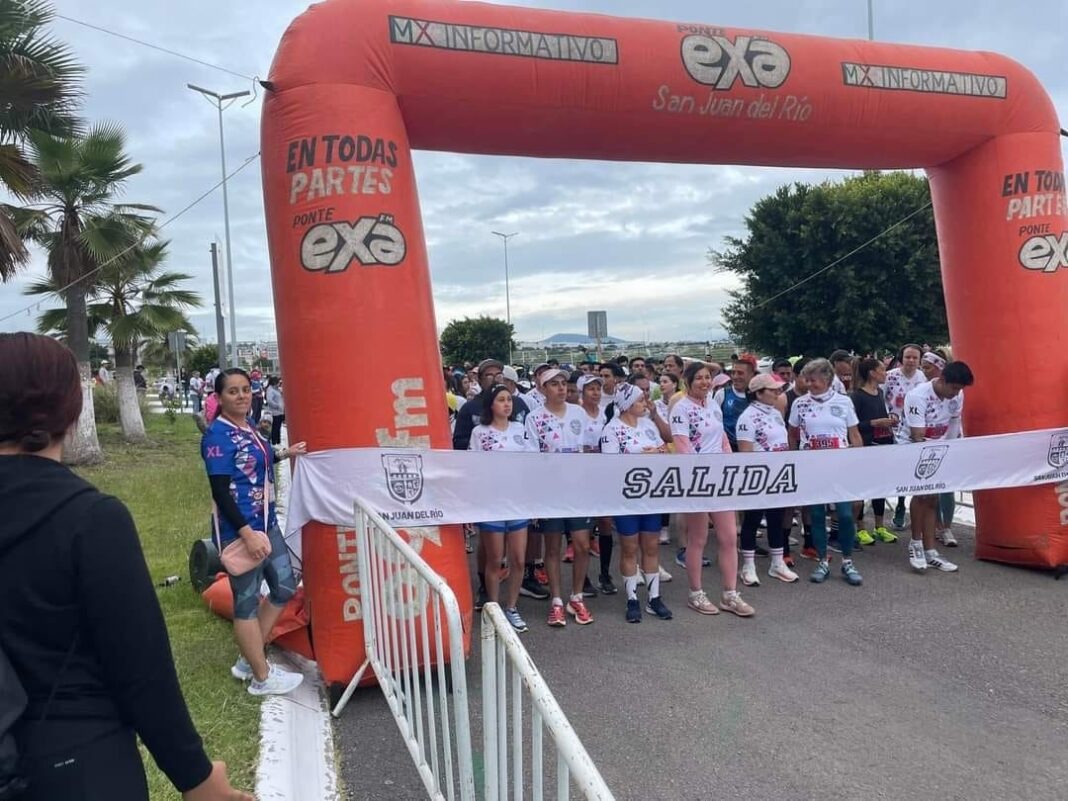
[[276, 569], [503, 526], [629, 525], [568, 525]]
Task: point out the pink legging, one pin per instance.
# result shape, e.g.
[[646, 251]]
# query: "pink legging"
[[727, 547]]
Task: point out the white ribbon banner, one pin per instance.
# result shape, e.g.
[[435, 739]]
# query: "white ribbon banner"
[[436, 487]]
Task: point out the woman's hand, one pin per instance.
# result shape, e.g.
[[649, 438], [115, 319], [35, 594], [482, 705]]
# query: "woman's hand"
[[216, 788], [297, 449], [258, 547]]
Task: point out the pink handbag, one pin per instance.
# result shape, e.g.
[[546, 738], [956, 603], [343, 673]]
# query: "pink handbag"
[[236, 557]]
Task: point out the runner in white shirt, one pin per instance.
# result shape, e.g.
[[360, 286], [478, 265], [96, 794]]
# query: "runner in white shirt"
[[535, 398], [559, 427], [826, 420], [932, 364], [900, 382], [933, 413], [697, 427], [669, 385], [631, 432], [589, 387], [611, 375], [498, 431], [761, 429], [842, 364]]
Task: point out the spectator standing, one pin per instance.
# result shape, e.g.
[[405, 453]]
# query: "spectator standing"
[[276, 405]]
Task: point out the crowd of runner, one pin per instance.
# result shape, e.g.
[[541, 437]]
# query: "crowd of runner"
[[682, 405]]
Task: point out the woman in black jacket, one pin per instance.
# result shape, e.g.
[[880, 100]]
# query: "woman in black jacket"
[[876, 427], [81, 624]]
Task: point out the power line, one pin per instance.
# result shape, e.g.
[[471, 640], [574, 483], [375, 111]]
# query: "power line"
[[155, 47], [855, 250], [124, 251]]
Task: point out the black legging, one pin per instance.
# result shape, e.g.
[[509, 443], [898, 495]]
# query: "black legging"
[[276, 429], [751, 522]]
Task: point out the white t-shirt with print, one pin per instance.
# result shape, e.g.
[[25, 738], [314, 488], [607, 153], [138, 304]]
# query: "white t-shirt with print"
[[940, 418], [838, 386], [489, 438], [618, 437], [607, 399], [764, 427], [552, 434], [534, 399], [823, 421], [702, 424], [897, 386], [591, 432], [661, 408]]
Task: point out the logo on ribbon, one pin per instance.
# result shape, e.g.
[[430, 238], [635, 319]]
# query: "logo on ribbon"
[[1058, 450], [930, 460], [404, 477]]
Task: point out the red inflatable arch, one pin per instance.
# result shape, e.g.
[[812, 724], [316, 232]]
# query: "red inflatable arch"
[[356, 85]]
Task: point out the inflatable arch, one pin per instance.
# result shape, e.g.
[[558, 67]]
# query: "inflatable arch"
[[356, 84]]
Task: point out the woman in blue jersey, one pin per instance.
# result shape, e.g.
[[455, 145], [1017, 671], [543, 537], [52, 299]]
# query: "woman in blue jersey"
[[240, 469], [499, 431]]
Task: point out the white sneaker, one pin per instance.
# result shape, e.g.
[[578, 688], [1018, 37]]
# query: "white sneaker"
[[749, 575], [917, 560], [665, 536], [936, 560], [665, 577], [278, 682], [946, 538], [782, 573], [241, 669]]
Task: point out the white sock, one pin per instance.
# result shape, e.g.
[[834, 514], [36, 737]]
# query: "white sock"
[[652, 581], [558, 601], [931, 552], [776, 557], [748, 558], [630, 584]]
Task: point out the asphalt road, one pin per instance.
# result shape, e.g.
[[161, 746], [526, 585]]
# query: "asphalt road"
[[937, 686]]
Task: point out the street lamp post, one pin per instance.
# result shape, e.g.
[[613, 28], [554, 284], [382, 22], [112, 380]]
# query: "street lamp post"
[[218, 101], [507, 292]]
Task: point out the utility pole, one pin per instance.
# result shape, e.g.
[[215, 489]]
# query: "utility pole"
[[220, 327], [507, 291], [218, 102], [871, 21]]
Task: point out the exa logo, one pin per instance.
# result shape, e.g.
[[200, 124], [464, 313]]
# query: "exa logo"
[[371, 241], [718, 62], [1046, 253]]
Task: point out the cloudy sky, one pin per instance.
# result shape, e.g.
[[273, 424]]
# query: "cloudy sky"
[[628, 238]]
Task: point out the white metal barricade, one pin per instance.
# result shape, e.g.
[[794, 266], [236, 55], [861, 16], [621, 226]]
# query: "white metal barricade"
[[406, 608], [506, 664]]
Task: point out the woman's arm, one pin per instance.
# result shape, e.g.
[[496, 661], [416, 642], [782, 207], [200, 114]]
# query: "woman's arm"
[[682, 444]]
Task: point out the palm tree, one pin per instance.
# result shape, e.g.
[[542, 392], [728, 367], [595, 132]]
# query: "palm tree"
[[75, 216], [135, 302], [39, 91]]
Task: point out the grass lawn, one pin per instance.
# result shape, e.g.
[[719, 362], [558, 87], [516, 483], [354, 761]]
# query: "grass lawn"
[[164, 486]]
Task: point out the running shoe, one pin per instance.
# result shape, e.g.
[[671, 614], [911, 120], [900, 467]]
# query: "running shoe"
[[481, 599], [241, 669], [917, 559], [788, 560], [557, 618], [680, 557], [278, 682], [699, 602], [833, 545], [569, 553], [819, 575], [946, 538], [588, 590], [665, 577], [899, 518], [936, 560], [883, 534], [808, 552], [655, 606], [540, 575], [577, 609], [606, 586], [749, 575], [782, 573], [634, 611], [532, 589], [595, 546], [851, 574], [864, 538], [732, 602], [515, 619], [665, 536]]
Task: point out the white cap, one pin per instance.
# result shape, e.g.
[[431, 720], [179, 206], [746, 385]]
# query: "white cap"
[[509, 372]]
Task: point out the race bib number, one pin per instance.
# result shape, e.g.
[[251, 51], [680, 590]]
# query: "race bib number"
[[823, 442]]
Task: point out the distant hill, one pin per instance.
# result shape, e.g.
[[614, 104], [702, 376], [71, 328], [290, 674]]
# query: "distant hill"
[[575, 340]]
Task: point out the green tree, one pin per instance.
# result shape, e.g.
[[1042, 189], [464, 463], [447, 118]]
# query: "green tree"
[[202, 358], [39, 91], [887, 293], [77, 218], [473, 339], [135, 301]]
